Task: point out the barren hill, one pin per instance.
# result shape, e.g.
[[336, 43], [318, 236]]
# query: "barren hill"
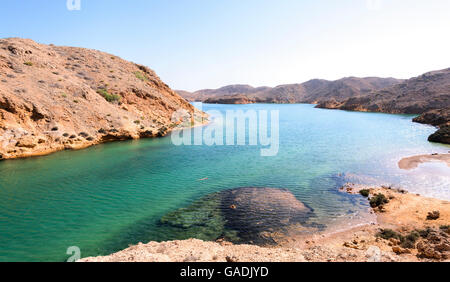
[[55, 98], [312, 91], [430, 91]]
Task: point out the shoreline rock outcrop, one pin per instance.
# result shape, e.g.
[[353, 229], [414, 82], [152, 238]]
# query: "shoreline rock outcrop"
[[441, 136], [439, 118]]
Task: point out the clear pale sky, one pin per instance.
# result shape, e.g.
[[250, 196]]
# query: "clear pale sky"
[[196, 44]]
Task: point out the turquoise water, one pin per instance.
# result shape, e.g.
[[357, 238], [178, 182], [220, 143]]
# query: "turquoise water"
[[107, 197]]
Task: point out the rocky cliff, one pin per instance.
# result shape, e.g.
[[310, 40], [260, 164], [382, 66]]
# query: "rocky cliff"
[[55, 98]]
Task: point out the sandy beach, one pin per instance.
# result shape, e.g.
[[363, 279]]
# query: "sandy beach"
[[414, 161]]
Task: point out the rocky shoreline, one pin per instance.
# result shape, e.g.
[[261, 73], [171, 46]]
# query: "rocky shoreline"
[[439, 118], [409, 228]]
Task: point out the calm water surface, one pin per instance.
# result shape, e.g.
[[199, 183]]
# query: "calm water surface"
[[107, 197]]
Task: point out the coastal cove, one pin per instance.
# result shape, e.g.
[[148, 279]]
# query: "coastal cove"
[[105, 198]]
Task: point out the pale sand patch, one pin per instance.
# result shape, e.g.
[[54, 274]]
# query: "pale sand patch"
[[413, 162]]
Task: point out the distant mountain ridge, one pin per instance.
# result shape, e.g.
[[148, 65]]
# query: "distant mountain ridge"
[[312, 91], [430, 91], [427, 95]]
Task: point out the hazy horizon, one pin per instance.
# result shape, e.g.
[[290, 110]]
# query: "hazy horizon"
[[210, 44]]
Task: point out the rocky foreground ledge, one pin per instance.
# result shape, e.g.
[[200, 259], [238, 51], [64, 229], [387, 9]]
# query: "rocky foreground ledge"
[[410, 228], [56, 98]]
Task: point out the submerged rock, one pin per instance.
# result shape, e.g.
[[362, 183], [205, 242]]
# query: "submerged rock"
[[258, 214], [243, 215], [202, 220]]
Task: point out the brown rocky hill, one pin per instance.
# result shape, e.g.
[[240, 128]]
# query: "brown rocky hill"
[[312, 91], [430, 91], [427, 95], [55, 98], [345, 88]]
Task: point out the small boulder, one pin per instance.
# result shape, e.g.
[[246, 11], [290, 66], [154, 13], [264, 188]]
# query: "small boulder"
[[433, 215]]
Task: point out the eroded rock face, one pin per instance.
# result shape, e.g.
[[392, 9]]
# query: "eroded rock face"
[[55, 98], [244, 215]]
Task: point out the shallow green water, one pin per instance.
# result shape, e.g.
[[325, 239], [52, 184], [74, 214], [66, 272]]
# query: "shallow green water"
[[105, 198]]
